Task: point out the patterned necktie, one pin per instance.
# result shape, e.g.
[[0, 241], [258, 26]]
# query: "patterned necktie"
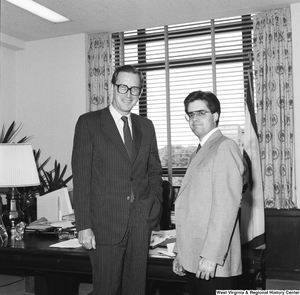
[[198, 148], [127, 136]]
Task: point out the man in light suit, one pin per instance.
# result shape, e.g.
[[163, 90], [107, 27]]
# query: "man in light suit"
[[206, 209], [117, 188]]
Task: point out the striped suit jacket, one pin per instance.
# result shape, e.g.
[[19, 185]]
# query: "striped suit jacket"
[[104, 175]]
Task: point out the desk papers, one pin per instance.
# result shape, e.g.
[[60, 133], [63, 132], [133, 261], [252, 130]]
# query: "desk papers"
[[162, 243], [157, 237], [64, 224], [162, 252], [41, 224], [72, 243]]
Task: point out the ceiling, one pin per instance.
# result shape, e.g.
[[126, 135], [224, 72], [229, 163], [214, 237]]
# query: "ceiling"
[[95, 16]]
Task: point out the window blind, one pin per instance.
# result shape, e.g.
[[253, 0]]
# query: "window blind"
[[211, 55]]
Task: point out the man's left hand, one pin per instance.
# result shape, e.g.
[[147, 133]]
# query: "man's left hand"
[[206, 269]]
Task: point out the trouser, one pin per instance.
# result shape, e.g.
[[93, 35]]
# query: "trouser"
[[122, 268], [208, 287]]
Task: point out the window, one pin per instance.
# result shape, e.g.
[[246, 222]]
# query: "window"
[[176, 60]]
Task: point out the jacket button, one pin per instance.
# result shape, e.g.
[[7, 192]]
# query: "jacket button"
[[128, 198]]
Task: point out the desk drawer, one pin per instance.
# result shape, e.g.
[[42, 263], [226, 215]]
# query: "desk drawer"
[[40, 263]]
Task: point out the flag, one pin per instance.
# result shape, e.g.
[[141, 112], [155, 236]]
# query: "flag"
[[252, 208]]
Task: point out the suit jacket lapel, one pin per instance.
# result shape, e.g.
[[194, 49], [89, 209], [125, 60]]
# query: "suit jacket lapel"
[[110, 128], [198, 158], [137, 136]]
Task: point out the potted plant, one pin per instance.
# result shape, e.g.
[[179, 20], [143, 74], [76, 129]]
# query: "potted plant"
[[54, 179], [54, 200], [52, 184]]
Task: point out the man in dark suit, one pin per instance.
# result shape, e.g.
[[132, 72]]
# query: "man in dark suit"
[[117, 188]]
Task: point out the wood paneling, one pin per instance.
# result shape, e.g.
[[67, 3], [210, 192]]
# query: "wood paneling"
[[283, 244]]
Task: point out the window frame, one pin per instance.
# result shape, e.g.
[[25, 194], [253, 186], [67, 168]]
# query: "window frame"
[[140, 38]]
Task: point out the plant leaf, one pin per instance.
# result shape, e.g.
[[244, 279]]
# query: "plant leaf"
[[10, 134], [25, 139], [67, 180], [63, 173], [2, 134]]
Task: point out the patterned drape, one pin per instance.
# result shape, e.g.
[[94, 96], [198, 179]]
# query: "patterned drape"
[[272, 45], [100, 70]]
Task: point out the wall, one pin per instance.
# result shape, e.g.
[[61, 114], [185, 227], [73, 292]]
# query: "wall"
[[7, 86], [51, 93]]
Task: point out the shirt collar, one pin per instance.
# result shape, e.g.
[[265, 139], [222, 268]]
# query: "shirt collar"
[[207, 136], [117, 116]]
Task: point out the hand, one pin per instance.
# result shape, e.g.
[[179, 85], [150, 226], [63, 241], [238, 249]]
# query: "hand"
[[177, 267], [206, 269], [87, 239]]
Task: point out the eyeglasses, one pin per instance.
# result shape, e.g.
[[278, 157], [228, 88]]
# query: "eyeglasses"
[[123, 89], [198, 113]]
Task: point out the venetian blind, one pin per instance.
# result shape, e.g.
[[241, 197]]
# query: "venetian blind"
[[210, 55]]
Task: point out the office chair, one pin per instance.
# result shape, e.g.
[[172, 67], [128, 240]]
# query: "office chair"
[[168, 199]]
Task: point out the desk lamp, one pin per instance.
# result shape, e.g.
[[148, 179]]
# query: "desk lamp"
[[17, 169]]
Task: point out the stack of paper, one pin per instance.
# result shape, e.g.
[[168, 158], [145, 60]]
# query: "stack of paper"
[[158, 237], [72, 243], [169, 252], [64, 224], [41, 224]]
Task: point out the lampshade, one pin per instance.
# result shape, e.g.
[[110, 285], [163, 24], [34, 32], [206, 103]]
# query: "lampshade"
[[17, 166]]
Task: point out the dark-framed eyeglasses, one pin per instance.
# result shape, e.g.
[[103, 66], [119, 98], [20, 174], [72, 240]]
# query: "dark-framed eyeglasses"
[[123, 89], [199, 113]]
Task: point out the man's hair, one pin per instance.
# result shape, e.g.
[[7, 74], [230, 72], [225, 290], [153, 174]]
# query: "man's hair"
[[127, 69], [211, 101]]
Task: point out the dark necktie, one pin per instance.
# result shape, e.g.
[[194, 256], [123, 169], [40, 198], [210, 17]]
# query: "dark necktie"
[[128, 145], [127, 136], [198, 148]]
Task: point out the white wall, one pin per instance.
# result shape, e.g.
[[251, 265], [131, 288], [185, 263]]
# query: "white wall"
[[295, 11], [7, 87], [51, 87]]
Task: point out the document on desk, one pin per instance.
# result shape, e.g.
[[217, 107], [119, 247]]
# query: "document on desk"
[[162, 252], [63, 224], [41, 224], [158, 237], [169, 252], [72, 243], [167, 234]]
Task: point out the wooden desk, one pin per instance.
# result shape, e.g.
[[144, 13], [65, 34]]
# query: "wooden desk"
[[56, 270], [59, 271]]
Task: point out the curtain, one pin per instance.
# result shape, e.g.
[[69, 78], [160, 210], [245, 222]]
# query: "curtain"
[[100, 70], [272, 49]]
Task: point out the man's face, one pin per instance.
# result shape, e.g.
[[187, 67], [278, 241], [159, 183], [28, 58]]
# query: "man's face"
[[201, 125], [123, 103]]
